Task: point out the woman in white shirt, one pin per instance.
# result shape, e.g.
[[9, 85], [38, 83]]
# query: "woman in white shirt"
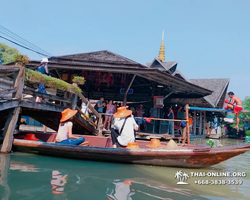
[[64, 133], [124, 128]]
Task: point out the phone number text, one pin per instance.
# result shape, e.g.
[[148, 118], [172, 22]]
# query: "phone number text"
[[218, 182]]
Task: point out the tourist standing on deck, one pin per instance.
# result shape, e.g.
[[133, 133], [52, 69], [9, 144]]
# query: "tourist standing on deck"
[[171, 123], [64, 133], [124, 128], [44, 69], [108, 115], [100, 105]]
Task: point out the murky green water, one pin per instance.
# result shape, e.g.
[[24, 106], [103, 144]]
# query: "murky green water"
[[26, 176]]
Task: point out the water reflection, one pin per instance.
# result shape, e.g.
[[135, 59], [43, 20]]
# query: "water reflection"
[[120, 190], [58, 182], [56, 179], [4, 168]]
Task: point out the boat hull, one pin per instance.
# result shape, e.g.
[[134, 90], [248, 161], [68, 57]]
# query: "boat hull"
[[183, 157]]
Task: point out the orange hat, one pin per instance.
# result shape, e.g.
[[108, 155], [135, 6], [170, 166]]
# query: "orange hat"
[[31, 136], [122, 112], [67, 114], [154, 143], [132, 145]]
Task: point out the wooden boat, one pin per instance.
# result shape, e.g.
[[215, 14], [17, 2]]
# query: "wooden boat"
[[100, 149]]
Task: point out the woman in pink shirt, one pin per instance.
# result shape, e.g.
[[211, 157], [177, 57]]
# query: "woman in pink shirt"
[[109, 112]]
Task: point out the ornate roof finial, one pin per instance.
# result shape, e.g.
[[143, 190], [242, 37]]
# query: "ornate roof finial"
[[161, 56]]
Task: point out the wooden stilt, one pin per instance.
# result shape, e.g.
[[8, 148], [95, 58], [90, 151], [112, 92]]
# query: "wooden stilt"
[[204, 122], [4, 169], [9, 131], [194, 123], [200, 123], [8, 135], [187, 124]]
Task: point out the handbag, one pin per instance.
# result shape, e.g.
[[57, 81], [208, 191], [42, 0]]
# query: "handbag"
[[123, 125]]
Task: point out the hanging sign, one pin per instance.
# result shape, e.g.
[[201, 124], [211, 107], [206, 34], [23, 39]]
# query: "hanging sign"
[[158, 100], [122, 91]]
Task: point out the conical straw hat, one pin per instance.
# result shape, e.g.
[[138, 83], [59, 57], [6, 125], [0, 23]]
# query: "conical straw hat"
[[172, 145]]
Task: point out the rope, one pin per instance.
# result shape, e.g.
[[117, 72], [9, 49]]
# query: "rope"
[[216, 110], [172, 120]]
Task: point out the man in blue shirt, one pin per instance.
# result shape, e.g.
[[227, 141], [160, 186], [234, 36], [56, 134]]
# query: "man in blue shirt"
[[100, 105]]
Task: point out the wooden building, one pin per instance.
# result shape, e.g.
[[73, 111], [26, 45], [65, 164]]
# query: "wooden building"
[[214, 100], [111, 75]]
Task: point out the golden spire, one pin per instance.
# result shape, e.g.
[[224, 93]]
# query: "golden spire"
[[161, 56]]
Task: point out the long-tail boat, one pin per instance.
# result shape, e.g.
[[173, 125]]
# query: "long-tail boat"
[[100, 149]]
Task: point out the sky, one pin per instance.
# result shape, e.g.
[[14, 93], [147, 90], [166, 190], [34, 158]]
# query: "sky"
[[208, 38]]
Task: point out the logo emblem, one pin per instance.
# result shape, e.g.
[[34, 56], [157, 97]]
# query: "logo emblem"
[[182, 177]]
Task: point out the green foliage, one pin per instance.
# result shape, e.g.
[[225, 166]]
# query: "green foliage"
[[247, 132], [7, 54], [37, 77], [210, 142], [21, 58], [247, 139], [79, 80]]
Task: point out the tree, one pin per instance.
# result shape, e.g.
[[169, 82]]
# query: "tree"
[[7, 54], [244, 117], [246, 106]]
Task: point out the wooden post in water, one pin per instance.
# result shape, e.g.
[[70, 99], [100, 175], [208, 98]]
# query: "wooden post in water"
[[204, 123], [4, 169], [187, 124], [194, 124], [13, 117], [200, 123]]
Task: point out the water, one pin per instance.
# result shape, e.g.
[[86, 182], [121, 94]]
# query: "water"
[[39, 177]]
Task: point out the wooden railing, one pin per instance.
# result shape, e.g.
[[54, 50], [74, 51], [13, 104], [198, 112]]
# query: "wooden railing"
[[47, 96], [185, 130]]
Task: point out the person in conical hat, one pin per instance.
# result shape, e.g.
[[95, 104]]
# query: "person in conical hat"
[[124, 128], [64, 133]]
